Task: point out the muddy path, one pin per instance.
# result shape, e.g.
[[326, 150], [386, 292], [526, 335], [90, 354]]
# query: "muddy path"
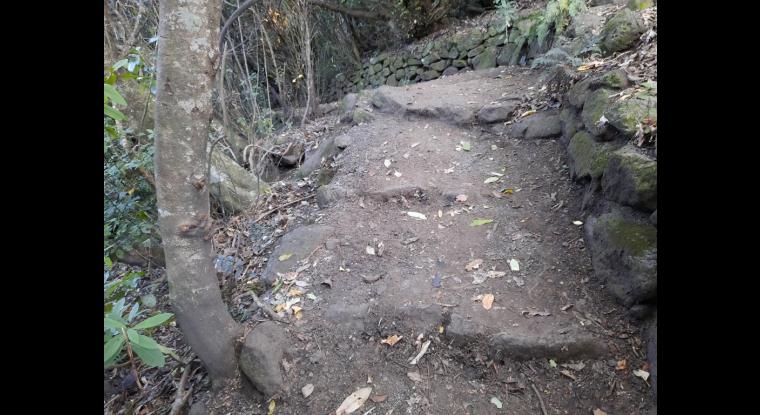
[[440, 228]]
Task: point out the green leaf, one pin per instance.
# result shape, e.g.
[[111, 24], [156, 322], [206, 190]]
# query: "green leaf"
[[479, 222], [113, 113], [134, 337], [169, 351], [113, 324], [111, 93], [491, 179], [154, 321], [107, 261], [151, 357], [112, 347], [552, 363], [496, 402], [284, 257], [466, 145], [119, 64], [149, 343]]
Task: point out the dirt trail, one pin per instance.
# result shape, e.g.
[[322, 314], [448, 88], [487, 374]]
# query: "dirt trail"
[[550, 311]]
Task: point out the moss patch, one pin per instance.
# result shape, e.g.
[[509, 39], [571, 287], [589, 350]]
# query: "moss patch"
[[589, 158], [636, 239], [593, 109]]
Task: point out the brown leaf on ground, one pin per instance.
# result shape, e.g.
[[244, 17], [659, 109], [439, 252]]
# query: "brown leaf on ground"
[[488, 301], [474, 264]]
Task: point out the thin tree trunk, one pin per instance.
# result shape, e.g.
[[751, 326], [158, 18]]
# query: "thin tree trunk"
[[189, 34]]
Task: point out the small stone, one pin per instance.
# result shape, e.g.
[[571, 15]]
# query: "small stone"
[[307, 390]]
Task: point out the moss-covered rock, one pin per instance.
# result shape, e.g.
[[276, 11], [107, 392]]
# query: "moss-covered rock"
[[400, 74], [620, 32], [624, 255], [346, 107], [639, 4], [588, 158], [505, 54], [378, 59], [362, 116], [413, 62], [476, 51], [631, 179], [593, 109], [459, 63], [452, 53], [578, 93], [431, 74], [439, 66], [376, 68], [391, 81], [570, 120], [235, 187], [431, 58], [485, 60], [470, 40], [615, 79], [628, 114], [385, 72]]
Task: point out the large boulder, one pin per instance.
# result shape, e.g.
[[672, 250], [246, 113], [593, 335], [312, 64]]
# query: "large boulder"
[[620, 32], [347, 106], [630, 115], [631, 179], [593, 110], [260, 357], [624, 255], [570, 120], [588, 158], [486, 59], [326, 150], [499, 111], [545, 124], [233, 186]]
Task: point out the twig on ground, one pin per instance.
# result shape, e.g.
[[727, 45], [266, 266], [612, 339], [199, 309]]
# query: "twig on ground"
[[181, 398], [269, 212], [540, 400]]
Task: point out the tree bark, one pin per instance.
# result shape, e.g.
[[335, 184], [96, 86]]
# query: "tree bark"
[[189, 34]]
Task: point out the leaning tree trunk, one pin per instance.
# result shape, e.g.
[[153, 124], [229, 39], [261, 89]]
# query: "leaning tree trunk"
[[189, 34]]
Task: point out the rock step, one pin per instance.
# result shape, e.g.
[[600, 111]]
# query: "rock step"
[[552, 337]]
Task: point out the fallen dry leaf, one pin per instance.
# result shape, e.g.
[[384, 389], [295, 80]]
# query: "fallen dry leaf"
[[417, 215], [568, 374], [387, 163], [642, 374], [307, 390], [461, 198], [294, 292], [391, 340], [421, 353], [378, 398], [514, 265], [621, 365], [527, 113], [370, 250], [496, 274], [488, 301], [272, 406], [285, 257], [474, 264], [415, 376], [297, 312], [598, 411], [354, 401]]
